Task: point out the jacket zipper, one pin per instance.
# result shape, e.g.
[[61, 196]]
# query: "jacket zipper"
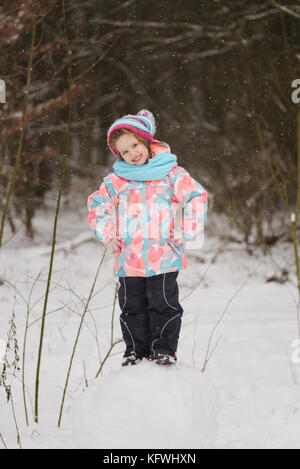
[[174, 247], [145, 227]]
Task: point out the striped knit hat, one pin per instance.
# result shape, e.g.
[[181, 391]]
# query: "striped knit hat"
[[142, 124]]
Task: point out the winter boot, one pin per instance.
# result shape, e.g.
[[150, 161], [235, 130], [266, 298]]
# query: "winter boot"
[[131, 359], [164, 359]]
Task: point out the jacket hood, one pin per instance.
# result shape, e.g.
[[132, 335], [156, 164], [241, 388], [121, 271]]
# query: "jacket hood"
[[159, 147]]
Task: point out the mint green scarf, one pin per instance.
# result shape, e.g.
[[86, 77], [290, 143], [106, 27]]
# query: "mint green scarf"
[[156, 168]]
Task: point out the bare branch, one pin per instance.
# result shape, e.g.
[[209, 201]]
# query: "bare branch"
[[285, 9]]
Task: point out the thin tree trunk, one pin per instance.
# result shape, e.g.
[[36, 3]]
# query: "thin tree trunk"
[[294, 219], [77, 338], [64, 166]]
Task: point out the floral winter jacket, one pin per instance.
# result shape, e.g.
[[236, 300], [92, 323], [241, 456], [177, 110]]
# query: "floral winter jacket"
[[145, 219]]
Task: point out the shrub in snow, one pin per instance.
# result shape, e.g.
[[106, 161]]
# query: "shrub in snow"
[[147, 406]]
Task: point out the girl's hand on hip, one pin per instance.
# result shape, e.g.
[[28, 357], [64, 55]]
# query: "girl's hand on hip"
[[114, 245]]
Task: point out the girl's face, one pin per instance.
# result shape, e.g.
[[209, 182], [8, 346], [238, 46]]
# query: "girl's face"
[[131, 150]]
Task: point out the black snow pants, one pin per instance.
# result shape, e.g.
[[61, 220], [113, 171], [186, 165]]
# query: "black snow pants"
[[150, 314]]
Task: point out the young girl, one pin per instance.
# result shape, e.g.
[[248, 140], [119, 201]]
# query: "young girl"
[[146, 189]]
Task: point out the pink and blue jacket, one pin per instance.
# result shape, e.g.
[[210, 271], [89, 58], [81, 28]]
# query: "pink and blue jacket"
[[145, 219]]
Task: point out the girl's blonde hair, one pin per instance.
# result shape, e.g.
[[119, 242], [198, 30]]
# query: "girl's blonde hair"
[[119, 132]]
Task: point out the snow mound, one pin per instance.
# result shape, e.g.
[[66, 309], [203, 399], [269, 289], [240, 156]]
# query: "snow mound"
[[147, 406]]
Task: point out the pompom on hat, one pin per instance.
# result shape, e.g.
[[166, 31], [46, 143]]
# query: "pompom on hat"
[[142, 124]]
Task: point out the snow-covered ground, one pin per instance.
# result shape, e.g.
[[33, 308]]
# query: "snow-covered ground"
[[147, 406], [247, 397]]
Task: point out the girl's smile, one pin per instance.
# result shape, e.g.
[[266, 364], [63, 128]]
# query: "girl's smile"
[[137, 158], [132, 150]]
